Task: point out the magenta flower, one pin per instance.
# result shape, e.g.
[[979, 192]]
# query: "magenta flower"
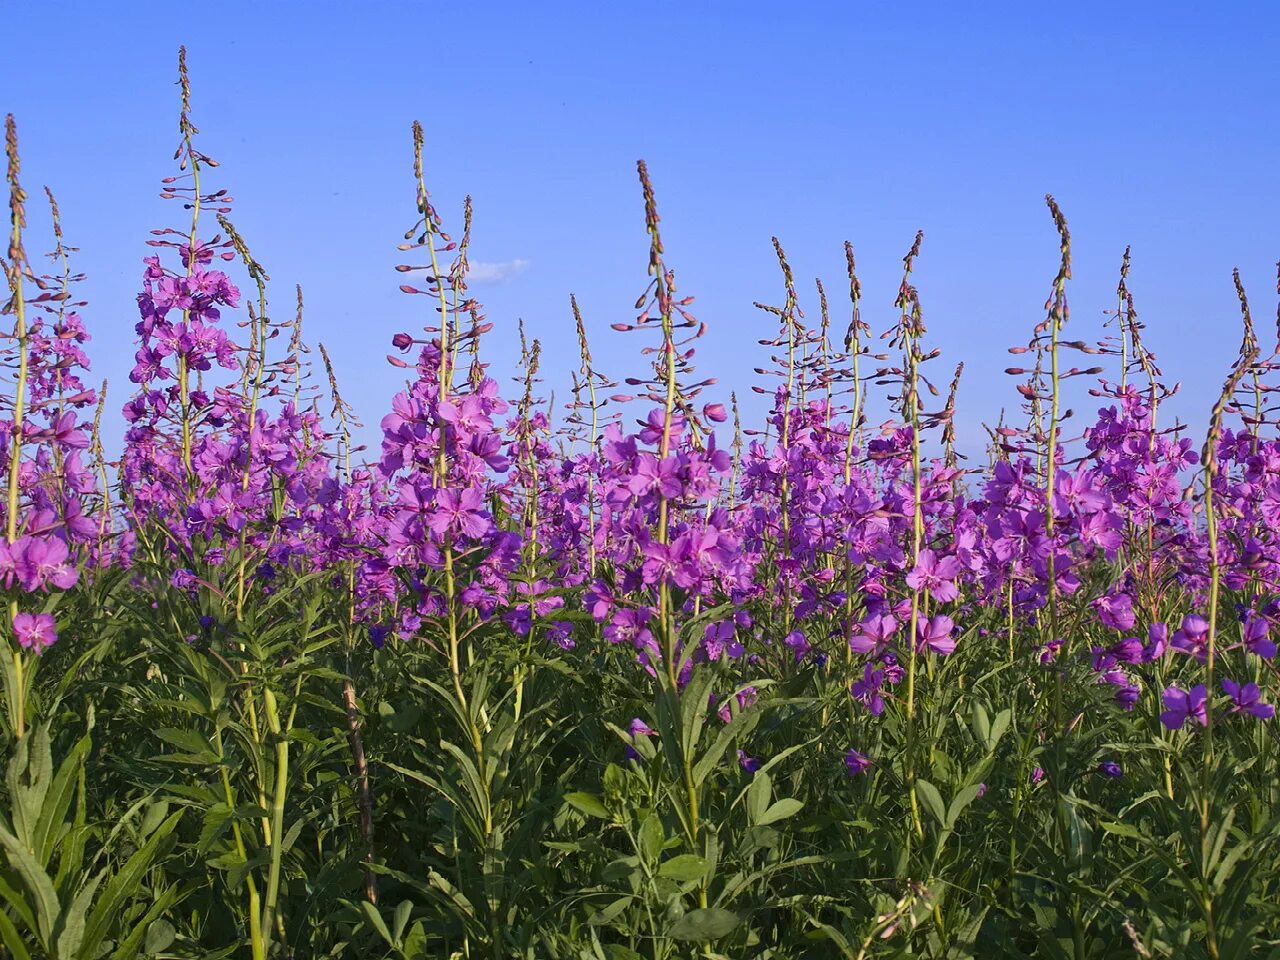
[[798, 643], [41, 562], [460, 511], [746, 697], [874, 632], [651, 474], [35, 631], [1192, 637], [1248, 699], [935, 634], [1157, 642], [935, 575], [1257, 637], [856, 763], [1182, 705], [867, 690], [1115, 611], [641, 729]]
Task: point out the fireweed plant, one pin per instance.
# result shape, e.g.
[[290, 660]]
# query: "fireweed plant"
[[623, 678]]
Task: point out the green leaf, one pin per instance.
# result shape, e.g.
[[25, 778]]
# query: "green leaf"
[[160, 936], [609, 913], [11, 938], [686, 866], [998, 727], [932, 799], [57, 801], [36, 881], [216, 819], [195, 748], [709, 923], [620, 869], [415, 944], [780, 810], [588, 803], [69, 930], [18, 902], [400, 919], [981, 723], [758, 795], [1121, 829], [651, 837], [156, 812], [960, 801], [375, 920], [739, 726], [124, 885]]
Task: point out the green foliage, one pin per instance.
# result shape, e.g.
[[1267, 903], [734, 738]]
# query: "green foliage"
[[177, 799]]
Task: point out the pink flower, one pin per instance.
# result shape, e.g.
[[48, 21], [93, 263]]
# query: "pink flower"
[[935, 575], [461, 511], [935, 634], [41, 561], [873, 632], [35, 631]]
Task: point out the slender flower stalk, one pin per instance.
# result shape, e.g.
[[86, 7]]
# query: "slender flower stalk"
[[16, 270]]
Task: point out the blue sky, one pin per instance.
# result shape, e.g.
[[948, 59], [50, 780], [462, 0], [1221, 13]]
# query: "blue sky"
[[1154, 125]]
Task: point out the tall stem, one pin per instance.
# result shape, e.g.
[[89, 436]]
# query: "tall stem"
[[15, 268]]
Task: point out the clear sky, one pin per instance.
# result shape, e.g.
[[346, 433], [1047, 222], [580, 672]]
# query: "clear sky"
[[1154, 124]]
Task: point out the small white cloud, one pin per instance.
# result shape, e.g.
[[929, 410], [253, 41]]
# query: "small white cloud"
[[503, 272]]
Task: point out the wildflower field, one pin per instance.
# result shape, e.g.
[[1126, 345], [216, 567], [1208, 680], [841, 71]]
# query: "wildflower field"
[[623, 677]]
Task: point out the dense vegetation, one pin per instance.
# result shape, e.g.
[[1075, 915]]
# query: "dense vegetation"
[[599, 682]]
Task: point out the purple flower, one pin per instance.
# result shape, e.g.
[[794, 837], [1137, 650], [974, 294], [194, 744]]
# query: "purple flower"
[[1115, 611], [1257, 637], [749, 764], [867, 690], [1127, 696], [1181, 705], [856, 763], [628, 626], [935, 634], [460, 511], [182, 579], [1128, 650], [41, 562], [35, 631], [641, 729], [935, 575], [874, 632], [718, 640], [1192, 637], [798, 643], [1109, 768], [1157, 642], [1248, 699]]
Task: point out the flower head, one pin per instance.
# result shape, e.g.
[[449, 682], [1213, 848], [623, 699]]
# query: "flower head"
[[35, 631], [1248, 699], [856, 763], [1182, 705]]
